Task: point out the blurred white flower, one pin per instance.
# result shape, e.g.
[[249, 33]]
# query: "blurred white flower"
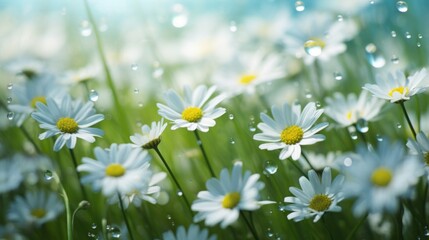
[[420, 146], [319, 161], [193, 233], [10, 175], [151, 135]]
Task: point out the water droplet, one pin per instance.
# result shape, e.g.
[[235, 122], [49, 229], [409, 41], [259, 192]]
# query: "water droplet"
[[308, 94], [419, 44], [136, 90], [373, 56], [408, 35], [168, 216], [379, 138], [420, 36], [85, 28], [338, 76], [91, 235], [93, 225], [232, 141], [48, 175], [108, 227], [372, 2], [348, 162], [394, 59], [283, 208], [362, 125], [158, 72], [231, 116], [393, 34], [9, 100], [115, 232], [10, 86], [299, 6], [313, 47], [270, 167], [10, 115], [179, 193], [401, 6], [233, 26], [180, 16], [140, 104], [353, 135], [93, 95], [318, 104], [270, 233], [252, 127], [134, 67], [398, 125], [340, 18]]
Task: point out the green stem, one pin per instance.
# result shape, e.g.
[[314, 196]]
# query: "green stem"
[[425, 194], [401, 103], [173, 177], [399, 222], [308, 162], [104, 228], [85, 196], [82, 205], [125, 217], [106, 69], [356, 227], [67, 206], [29, 138], [297, 167], [252, 230], [327, 229], [200, 144]]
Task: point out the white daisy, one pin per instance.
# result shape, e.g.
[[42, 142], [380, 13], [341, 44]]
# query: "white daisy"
[[35, 208], [396, 87], [151, 135], [348, 111], [316, 197], [378, 178], [193, 111], [28, 67], [31, 166], [10, 232], [68, 119], [319, 161], [148, 190], [420, 146], [227, 196], [250, 70], [193, 233], [119, 169], [10, 175], [290, 129]]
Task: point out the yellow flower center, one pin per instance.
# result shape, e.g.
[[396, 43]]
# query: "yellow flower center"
[[67, 125], [247, 78], [320, 202], [115, 170], [37, 99], [349, 115], [192, 114], [292, 135], [231, 200], [400, 90], [381, 177], [38, 212]]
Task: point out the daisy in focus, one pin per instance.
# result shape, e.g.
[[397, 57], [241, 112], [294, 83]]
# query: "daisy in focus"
[[396, 87], [69, 120], [379, 178], [316, 197], [349, 110], [227, 196], [151, 136], [250, 70], [290, 128], [120, 169], [194, 111], [35, 208], [193, 233]]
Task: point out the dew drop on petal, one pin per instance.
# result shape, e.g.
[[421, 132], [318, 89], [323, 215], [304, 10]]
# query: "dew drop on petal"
[[362, 125], [10, 115], [338, 76], [313, 48], [10, 86], [93, 95], [394, 59], [48, 175], [299, 6], [270, 167], [402, 6]]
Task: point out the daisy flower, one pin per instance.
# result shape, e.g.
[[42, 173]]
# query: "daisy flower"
[[119, 169], [194, 111], [316, 197], [420, 147], [349, 110], [378, 178], [151, 135], [319, 161], [35, 208], [10, 175], [193, 233], [69, 120], [250, 70], [290, 129], [227, 196], [396, 87]]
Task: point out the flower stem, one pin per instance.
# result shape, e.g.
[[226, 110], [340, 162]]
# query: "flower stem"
[[200, 144], [85, 196], [67, 206], [408, 119], [356, 227], [27, 135], [327, 229], [308, 162], [399, 222], [297, 167], [125, 216], [252, 230], [174, 178]]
